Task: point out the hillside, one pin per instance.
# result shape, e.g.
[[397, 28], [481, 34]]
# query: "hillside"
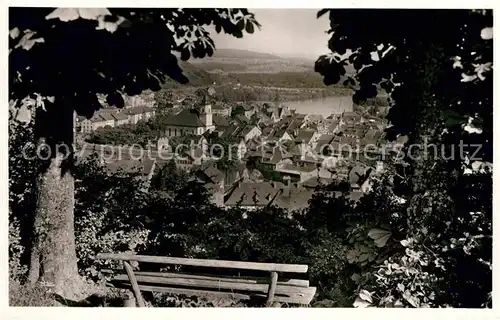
[[276, 72], [197, 76], [243, 61]]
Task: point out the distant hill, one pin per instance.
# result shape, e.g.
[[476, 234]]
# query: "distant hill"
[[196, 75], [242, 61], [276, 71], [242, 54]]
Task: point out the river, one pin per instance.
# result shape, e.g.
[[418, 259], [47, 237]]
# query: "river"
[[324, 106]]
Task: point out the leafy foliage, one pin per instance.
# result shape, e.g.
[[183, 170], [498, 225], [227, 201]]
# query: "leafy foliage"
[[439, 78], [105, 40], [106, 214]]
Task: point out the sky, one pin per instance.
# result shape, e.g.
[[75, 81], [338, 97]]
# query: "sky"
[[284, 32]]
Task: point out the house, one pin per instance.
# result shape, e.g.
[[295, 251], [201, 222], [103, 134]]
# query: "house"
[[358, 175], [136, 114], [242, 119], [230, 132], [99, 120], [333, 127], [350, 117], [253, 195], [190, 121], [276, 113], [163, 144], [204, 95], [242, 132], [296, 173], [266, 130], [263, 119], [249, 132], [373, 135], [295, 199], [309, 160], [269, 157], [241, 150], [249, 110], [316, 182], [213, 179], [234, 175], [220, 122], [108, 119], [306, 136], [120, 118], [294, 124], [334, 116], [322, 146], [221, 110], [345, 146], [188, 159], [280, 135]]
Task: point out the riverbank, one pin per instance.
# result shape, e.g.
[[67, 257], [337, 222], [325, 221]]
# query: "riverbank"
[[244, 93]]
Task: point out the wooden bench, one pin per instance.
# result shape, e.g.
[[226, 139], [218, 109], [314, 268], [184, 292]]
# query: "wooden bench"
[[284, 290]]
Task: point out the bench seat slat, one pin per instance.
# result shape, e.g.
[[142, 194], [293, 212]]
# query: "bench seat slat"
[[276, 267], [240, 279], [212, 284], [304, 297]]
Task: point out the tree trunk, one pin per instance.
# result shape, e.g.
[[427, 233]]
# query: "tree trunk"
[[53, 256]]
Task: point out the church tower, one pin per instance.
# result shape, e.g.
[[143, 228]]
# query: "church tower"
[[206, 116]]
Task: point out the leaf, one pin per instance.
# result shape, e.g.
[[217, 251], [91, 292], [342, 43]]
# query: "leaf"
[[241, 24], [93, 13], [379, 236], [405, 243], [487, 33], [360, 303], [366, 296], [249, 27], [321, 13], [14, 33], [26, 42], [64, 14], [376, 233], [70, 14], [185, 54], [108, 25], [356, 277], [352, 256], [23, 114], [363, 257], [381, 242], [414, 301]]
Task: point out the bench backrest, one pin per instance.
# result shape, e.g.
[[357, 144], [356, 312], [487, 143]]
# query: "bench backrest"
[[258, 266]]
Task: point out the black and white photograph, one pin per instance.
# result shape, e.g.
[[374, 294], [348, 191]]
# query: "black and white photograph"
[[249, 158]]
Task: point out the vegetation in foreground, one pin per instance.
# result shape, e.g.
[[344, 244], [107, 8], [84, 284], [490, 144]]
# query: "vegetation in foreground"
[[421, 238]]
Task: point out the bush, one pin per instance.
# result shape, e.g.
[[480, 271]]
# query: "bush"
[[106, 208], [17, 270]]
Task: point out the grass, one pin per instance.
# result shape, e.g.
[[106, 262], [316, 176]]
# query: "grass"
[[30, 296], [93, 295], [162, 300]]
